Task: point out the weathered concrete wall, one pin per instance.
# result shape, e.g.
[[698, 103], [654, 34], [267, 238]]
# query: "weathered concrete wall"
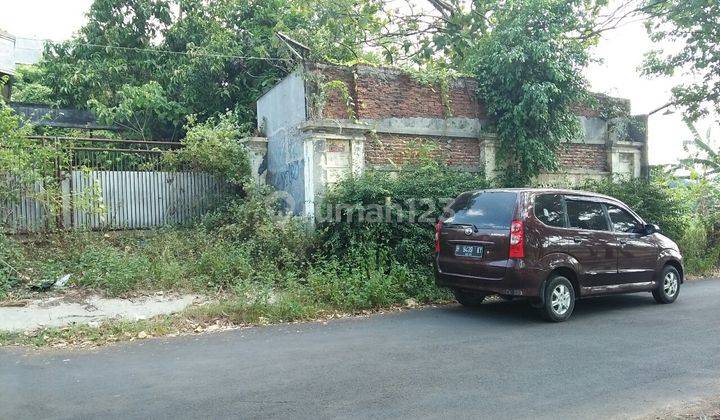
[[402, 114], [595, 130], [28, 51], [567, 178], [627, 158], [335, 157], [280, 112]]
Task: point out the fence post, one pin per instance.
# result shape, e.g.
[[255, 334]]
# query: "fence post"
[[59, 216]]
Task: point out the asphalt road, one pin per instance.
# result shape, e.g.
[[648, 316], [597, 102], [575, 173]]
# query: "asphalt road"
[[618, 356]]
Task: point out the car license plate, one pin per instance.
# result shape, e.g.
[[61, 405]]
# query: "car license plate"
[[469, 251]]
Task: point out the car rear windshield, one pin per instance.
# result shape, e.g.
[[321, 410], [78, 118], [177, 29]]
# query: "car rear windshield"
[[483, 209]]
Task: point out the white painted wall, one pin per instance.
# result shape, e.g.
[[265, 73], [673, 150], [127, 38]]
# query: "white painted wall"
[[7, 53], [280, 112]]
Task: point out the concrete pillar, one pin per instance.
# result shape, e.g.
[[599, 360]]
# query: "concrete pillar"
[[488, 149], [626, 159], [257, 148]]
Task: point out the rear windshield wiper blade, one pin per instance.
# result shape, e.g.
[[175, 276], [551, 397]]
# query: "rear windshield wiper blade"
[[472, 225]]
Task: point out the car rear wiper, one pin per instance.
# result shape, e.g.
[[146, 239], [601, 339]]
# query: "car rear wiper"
[[472, 225]]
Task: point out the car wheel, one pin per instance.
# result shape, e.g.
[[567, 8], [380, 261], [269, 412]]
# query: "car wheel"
[[668, 288], [467, 298], [559, 299]]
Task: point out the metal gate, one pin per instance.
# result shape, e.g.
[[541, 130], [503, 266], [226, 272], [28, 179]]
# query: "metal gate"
[[115, 184]]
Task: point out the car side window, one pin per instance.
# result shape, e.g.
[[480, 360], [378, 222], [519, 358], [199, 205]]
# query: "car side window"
[[622, 221], [549, 210], [587, 215]]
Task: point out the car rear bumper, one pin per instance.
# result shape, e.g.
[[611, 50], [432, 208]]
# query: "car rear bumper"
[[519, 280]]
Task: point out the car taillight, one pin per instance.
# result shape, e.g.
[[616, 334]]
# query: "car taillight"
[[438, 227], [517, 239]]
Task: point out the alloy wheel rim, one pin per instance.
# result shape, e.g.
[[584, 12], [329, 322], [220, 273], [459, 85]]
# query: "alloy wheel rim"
[[560, 299], [670, 284]]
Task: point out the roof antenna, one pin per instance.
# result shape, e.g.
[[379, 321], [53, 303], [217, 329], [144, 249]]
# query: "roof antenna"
[[298, 49]]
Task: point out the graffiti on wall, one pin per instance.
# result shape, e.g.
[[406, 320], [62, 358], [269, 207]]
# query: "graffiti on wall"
[[283, 179]]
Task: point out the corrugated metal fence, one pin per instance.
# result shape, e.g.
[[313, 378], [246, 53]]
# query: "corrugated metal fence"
[[122, 185]]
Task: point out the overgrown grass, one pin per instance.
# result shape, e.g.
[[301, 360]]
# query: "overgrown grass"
[[195, 260], [86, 335], [119, 263]]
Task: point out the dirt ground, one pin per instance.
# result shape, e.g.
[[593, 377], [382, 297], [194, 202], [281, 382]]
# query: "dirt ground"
[[79, 307]]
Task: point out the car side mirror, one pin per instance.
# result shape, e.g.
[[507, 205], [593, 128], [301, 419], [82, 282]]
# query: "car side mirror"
[[651, 228]]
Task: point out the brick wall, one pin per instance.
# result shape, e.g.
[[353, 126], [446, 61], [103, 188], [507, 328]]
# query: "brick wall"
[[389, 149], [582, 156], [386, 93], [335, 104], [380, 93]]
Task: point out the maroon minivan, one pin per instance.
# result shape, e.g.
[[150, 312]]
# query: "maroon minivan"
[[551, 247]]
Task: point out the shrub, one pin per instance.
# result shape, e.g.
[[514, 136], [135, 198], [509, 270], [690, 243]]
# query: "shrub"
[[110, 269], [395, 211], [25, 162], [10, 257], [653, 199], [367, 277], [280, 245], [700, 241], [214, 146], [700, 255], [340, 285]]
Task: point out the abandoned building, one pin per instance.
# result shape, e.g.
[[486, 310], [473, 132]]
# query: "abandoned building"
[[322, 122]]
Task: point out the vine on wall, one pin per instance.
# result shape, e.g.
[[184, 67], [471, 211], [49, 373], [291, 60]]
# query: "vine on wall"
[[321, 91], [441, 78]]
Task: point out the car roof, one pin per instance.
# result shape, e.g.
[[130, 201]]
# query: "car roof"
[[563, 191]]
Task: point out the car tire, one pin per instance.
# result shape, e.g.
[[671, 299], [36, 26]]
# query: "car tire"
[[559, 300], [668, 287], [467, 298]]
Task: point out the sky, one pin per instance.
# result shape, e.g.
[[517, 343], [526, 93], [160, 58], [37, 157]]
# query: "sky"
[[620, 50]]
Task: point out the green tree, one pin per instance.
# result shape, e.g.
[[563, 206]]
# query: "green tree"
[[88, 68], [528, 56], [205, 58], [144, 110], [214, 146], [703, 161], [27, 86], [27, 167], [529, 71], [208, 57], [691, 28]]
